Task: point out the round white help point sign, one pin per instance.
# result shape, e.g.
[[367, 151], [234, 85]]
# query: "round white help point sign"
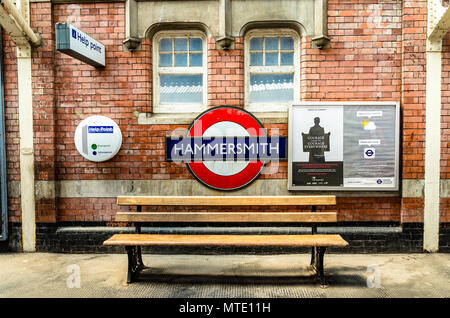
[[98, 138]]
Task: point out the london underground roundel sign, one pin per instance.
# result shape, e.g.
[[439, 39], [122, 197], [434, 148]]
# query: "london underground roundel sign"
[[225, 148]]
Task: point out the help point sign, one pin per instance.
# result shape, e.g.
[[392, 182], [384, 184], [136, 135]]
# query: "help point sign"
[[98, 138], [79, 45]]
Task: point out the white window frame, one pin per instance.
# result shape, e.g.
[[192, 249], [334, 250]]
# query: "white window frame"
[[157, 71], [295, 68]]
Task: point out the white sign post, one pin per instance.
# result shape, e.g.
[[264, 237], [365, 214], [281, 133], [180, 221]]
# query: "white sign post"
[[98, 138], [79, 45]]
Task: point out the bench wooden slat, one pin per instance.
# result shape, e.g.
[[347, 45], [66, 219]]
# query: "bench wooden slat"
[[226, 200], [226, 240], [300, 217]]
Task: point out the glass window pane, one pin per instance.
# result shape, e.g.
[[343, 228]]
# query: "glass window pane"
[[256, 44], [287, 43], [165, 45], [195, 59], [256, 59], [177, 89], [181, 59], [287, 58], [266, 88], [181, 44], [195, 44], [271, 44], [165, 60], [271, 59]]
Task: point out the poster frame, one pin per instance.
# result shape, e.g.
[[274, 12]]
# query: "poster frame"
[[396, 186]]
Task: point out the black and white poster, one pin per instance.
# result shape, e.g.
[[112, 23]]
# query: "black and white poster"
[[317, 146], [343, 146]]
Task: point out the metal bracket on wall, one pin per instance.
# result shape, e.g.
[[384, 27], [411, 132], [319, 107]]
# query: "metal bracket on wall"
[[434, 46], [24, 51]]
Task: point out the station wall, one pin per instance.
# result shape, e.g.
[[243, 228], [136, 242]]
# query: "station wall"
[[377, 52]]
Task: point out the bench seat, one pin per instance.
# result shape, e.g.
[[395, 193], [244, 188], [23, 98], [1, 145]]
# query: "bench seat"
[[328, 240]]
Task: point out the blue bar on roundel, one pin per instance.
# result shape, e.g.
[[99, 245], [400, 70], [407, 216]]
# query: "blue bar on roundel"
[[225, 148]]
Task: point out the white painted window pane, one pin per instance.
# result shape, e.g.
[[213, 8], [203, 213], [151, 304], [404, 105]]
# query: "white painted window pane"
[[178, 89], [165, 60], [266, 88], [256, 44], [180, 59], [287, 43], [287, 58], [271, 59], [195, 44], [180, 44], [271, 44], [256, 59], [195, 59], [165, 45]]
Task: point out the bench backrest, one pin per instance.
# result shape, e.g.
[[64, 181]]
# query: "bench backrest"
[[232, 216], [227, 200]]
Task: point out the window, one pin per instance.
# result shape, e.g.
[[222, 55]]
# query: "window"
[[179, 72], [271, 70]]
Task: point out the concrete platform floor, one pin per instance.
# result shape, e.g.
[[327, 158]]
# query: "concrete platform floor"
[[225, 276]]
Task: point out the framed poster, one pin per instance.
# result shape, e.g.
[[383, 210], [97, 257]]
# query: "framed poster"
[[336, 146]]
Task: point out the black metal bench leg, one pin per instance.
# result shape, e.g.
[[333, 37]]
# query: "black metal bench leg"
[[139, 257], [313, 256], [140, 263], [134, 263], [319, 266]]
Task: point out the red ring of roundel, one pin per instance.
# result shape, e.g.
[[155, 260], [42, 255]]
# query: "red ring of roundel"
[[213, 116]]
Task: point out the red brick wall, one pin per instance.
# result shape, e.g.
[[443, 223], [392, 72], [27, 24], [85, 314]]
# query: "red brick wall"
[[43, 107], [445, 111], [350, 209], [226, 74], [87, 209], [413, 102], [364, 61], [118, 90], [445, 126], [11, 122], [377, 53], [413, 88]]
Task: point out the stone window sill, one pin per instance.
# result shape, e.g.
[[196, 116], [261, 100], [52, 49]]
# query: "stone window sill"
[[188, 118]]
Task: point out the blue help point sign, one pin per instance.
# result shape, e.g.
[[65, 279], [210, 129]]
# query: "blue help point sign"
[[76, 43], [100, 129]]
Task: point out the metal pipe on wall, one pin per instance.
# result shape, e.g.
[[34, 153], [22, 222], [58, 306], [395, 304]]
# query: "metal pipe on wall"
[[35, 38]]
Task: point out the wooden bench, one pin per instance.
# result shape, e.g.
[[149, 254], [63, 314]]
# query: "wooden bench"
[[134, 242]]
